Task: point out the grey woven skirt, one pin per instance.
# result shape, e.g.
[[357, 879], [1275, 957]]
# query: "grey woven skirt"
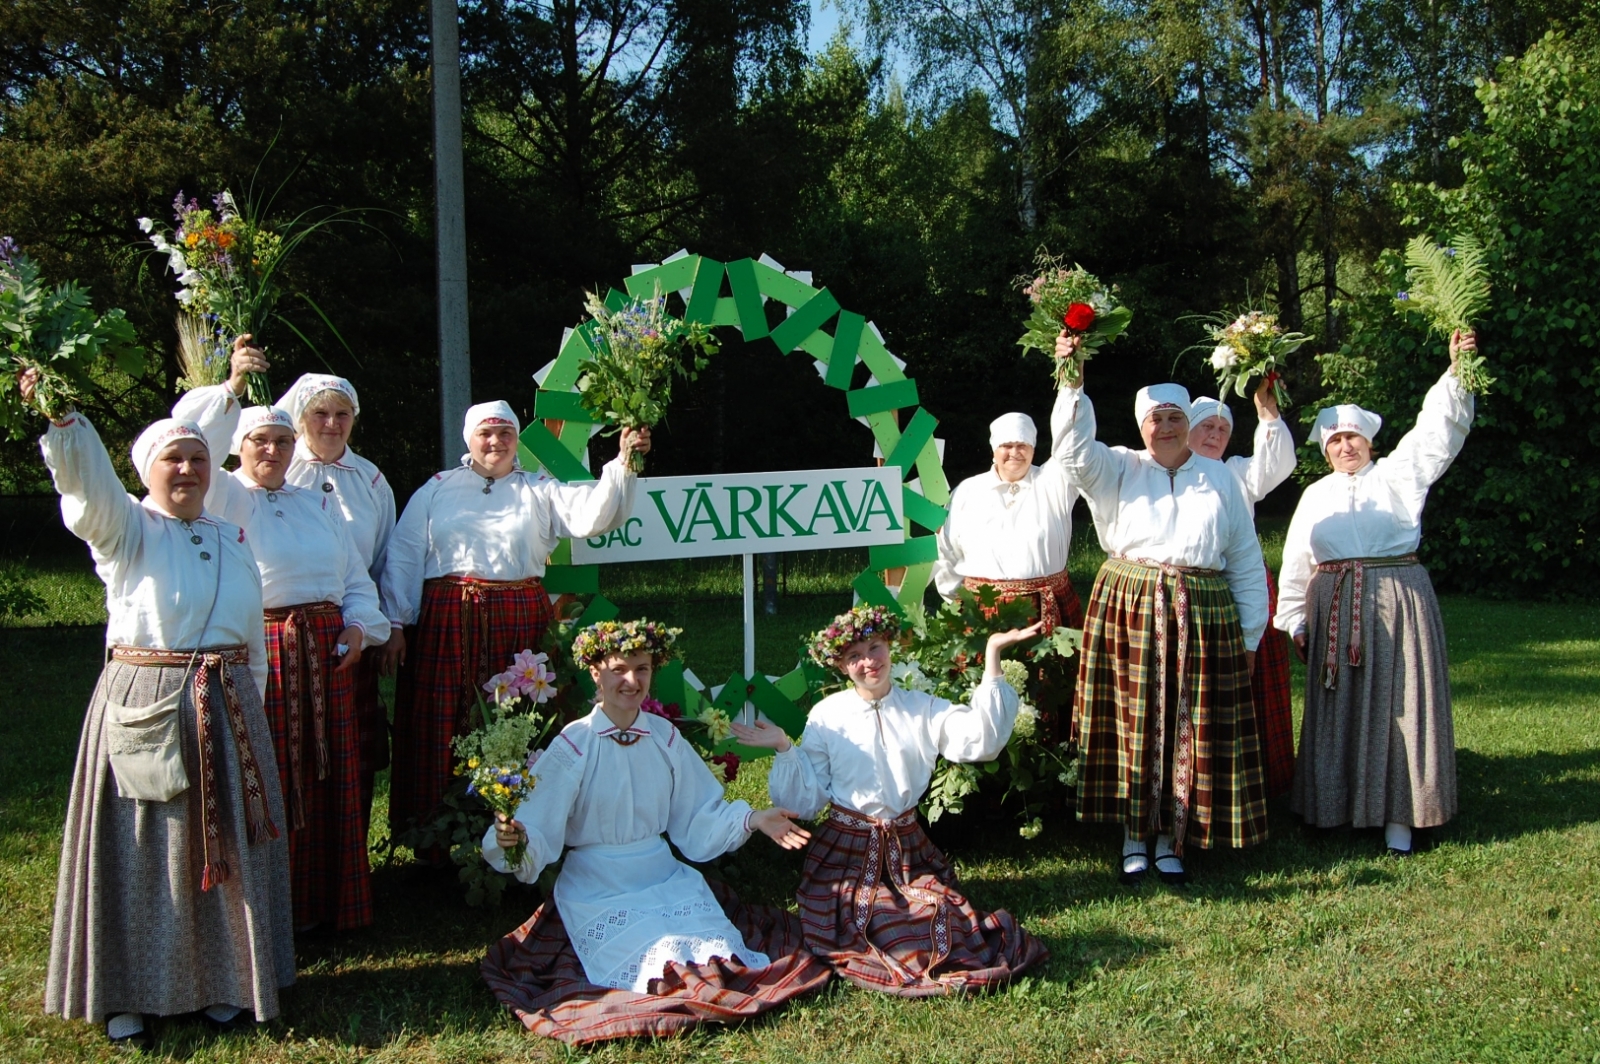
[[1379, 746], [134, 931]]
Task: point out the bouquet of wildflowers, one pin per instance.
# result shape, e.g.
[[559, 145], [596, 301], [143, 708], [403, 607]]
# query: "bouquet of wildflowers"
[[55, 333], [1247, 346], [1071, 300], [495, 757], [638, 349], [228, 262], [1449, 285]]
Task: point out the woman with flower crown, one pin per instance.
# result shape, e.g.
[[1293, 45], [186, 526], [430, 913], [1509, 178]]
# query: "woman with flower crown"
[[633, 942], [877, 898], [462, 587]]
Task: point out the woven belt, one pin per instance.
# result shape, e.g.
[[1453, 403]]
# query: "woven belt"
[[302, 657], [884, 852], [1050, 590], [1354, 568], [258, 819], [1183, 752], [475, 596]]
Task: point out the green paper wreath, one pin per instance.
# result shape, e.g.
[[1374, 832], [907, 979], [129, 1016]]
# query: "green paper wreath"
[[734, 295]]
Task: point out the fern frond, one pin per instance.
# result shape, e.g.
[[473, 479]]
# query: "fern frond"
[[1447, 285]]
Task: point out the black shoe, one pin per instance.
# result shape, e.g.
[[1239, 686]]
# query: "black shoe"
[[1133, 877], [1175, 879]]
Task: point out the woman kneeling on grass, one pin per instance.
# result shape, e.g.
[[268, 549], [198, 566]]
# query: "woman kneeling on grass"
[[633, 942], [877, 898]]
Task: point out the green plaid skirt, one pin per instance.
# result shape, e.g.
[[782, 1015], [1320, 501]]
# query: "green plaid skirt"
[[1127, 762]]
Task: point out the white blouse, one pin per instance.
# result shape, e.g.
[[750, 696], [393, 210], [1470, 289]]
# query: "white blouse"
[[362, 494], [301, 544], [454, 527], [161, 572], [1274, 459], [1196, 515], [1377, 512], [1005, 531], [879, 761], [628, 905]]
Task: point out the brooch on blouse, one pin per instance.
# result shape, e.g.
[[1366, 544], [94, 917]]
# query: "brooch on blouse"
[[624, 736]]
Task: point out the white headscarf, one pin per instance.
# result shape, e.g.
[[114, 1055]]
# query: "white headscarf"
[[310, 384], [1159, 395], [1205, 407], [1013, 428], [498, 412], [1346, 417], [253, 417], [153, 439]]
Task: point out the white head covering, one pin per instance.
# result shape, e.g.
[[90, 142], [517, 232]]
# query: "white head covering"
[[157, 436], [1205, 407], [498, 412], [1347, 417], [1013, 428], [1159, 395], [253, 417], [299, 394]]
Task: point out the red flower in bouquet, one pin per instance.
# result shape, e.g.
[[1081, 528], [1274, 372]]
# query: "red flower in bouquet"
[[1079, 317], [730, 766]]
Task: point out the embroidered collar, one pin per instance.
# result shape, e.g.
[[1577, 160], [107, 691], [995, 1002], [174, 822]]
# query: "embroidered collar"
[[623, 736]]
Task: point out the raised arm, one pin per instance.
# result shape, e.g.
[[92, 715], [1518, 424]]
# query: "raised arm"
[[216, 410], [1244, 570], [1423, 454], [1271, 461], [94, 505], [1092, 467], [978, 732]]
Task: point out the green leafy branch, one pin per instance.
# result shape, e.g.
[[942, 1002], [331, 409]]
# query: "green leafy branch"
[[1449, 286]]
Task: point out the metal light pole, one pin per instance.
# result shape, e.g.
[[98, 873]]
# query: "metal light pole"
[[450, 230]]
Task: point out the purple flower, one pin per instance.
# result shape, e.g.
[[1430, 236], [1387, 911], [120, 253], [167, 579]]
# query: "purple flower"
[[1402, 296], [8, 250]]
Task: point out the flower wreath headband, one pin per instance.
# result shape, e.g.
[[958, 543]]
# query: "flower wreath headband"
[[847, 629], [608, 639]]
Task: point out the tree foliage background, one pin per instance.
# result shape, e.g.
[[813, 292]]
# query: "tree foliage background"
[[1199, 153]]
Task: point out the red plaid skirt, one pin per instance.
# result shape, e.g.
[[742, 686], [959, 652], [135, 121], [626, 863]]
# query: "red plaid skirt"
[[468, 631], [1062, 610], [536, 974], [319, 766], [1270, 689], [372, 722], [879, 902]]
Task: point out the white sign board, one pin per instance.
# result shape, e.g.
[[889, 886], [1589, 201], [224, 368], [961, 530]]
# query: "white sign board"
[[753, 513]]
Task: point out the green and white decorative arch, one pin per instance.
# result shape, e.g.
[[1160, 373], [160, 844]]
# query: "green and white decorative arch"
[[735, 294]]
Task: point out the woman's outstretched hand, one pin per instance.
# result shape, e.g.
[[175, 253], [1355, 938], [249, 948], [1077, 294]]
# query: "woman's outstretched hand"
[[776, 825], [1462, 341], [762, 734], [999, 641]]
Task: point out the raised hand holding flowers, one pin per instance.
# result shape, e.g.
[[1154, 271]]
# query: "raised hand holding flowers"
[[52, 338], [1449, 286], [1073, 301], [638, 348], [1248, 345]]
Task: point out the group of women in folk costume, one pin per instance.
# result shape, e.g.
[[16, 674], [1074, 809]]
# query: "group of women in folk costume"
[[243, 605]]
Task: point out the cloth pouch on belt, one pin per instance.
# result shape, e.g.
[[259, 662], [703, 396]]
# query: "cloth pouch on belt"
[[146, 754]]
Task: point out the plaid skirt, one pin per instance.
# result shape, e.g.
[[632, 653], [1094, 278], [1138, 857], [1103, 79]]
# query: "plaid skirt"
[[1136, 762], [316, 735], [468, 631], [1272, 693], [372, 724], [136, 929], [535, 973], [878, 901]]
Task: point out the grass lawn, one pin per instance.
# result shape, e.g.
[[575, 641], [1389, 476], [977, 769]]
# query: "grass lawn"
[[1309, 948]]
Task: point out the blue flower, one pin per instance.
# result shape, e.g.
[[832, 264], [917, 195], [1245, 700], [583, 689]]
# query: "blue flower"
[[1402, 296], [8, 249]]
